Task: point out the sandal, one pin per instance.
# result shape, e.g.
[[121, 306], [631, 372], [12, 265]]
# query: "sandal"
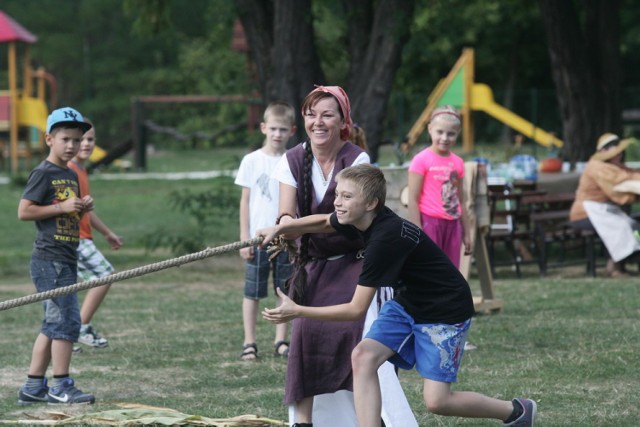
[[276, 349], [249, 351]]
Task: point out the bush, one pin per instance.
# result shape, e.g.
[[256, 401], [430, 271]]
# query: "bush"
[[209, 213]]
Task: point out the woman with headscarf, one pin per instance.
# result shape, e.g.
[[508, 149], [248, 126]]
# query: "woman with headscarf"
[[319, 381], [599, 205]]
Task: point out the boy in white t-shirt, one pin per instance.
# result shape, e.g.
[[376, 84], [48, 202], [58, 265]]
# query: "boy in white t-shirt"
[[259, 209]]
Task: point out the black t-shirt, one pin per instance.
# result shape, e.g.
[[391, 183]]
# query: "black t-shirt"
[[399, 254], [57, 237]]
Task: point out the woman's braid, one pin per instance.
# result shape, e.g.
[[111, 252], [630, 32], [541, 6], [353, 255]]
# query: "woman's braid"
[[300, 275]]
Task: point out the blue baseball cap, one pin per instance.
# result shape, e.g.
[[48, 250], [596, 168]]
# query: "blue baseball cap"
[[67, 116]]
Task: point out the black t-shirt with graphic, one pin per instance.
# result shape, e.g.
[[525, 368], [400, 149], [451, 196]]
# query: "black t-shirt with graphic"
[[399, 254], [57, 237]]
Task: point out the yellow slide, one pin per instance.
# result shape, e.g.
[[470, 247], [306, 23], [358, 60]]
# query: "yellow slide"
[[97, 155], [482, 100], [32, 112], [460, 90]]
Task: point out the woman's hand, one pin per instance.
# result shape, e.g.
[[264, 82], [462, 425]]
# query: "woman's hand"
[[267, 234], [285, 220]]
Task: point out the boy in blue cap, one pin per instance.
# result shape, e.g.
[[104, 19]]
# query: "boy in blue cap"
[[425, 325], [52, 199]]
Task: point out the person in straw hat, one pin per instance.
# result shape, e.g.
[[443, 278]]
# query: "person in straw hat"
[[604, 171]]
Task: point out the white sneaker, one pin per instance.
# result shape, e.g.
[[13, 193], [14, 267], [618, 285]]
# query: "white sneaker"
[[92, 338]]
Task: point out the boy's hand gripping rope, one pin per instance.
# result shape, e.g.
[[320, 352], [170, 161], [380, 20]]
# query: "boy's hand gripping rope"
[[128, 274]]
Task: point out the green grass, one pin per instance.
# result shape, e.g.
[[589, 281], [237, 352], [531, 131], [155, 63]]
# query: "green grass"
[[566, 340]]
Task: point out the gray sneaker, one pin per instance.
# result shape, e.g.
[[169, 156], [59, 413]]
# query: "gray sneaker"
[[68, 393], [528, 415], [91, 337], [29, 397]]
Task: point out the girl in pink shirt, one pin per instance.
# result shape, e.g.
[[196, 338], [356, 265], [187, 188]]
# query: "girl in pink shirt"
[[435, 186]]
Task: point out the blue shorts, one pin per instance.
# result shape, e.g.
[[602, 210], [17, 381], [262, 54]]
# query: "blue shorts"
[[435, 349], [257, 273], [61, 314], [91, 263]]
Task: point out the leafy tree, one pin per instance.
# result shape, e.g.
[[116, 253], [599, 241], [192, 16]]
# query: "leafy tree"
[[510, 53], [586, 68], [102, 53], [284, 47], [387, 54]]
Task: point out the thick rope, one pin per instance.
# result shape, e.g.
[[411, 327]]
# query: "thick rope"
[[128, 274]]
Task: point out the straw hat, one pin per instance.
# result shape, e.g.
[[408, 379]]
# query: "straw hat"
[[605, 140]]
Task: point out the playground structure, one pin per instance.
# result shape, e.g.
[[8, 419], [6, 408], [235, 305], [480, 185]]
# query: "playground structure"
[[23, 110], [23, 107], [460, 90]]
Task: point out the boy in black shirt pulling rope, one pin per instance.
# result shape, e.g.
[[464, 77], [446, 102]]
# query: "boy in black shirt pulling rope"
[[425, 325]]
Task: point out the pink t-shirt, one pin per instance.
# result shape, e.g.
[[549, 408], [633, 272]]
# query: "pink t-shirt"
[[439, 197]]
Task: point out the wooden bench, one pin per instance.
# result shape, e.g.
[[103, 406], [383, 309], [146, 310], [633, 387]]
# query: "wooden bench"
[[510, 226], [549, 216]]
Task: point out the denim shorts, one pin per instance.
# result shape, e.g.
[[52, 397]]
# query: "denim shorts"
[[61, 314], [435, 349], [91, 263], [257, 273]]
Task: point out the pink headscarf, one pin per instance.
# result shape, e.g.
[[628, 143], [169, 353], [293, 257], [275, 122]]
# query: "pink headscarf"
[[345, 106]]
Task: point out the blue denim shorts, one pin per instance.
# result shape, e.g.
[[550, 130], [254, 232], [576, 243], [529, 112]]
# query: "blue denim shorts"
[[435, 349], [257, 273], [61, 314]]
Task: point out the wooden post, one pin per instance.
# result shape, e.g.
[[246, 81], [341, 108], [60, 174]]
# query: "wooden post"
[[467, 119], [27, 79], [488, 303], [40, 94], [477, 204], [139, 134], [13, 120]]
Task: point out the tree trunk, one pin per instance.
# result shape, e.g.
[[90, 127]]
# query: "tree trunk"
[[506, 136], [603, 32], [257, 20], [295, 63], [375, 45], [282, 45], [586, 71]]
